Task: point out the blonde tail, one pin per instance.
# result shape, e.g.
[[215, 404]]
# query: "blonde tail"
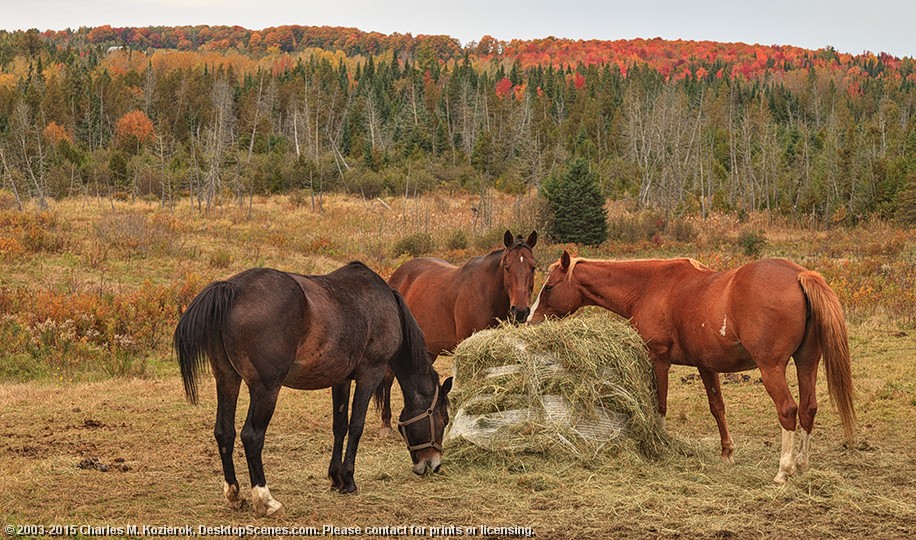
[[828, 319]]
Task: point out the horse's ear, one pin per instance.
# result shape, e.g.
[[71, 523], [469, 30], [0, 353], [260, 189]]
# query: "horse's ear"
[[565, 261], [507, 238], [532, 239], [447, 386]]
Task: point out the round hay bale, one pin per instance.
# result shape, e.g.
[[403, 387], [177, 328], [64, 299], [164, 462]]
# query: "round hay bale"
[[570, 387]]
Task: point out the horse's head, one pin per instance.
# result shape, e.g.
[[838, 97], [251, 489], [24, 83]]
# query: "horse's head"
[[560, 295], [424, 429], [518, 273]]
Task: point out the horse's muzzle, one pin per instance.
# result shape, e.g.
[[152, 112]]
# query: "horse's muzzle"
[[518, 316], [424, 464]]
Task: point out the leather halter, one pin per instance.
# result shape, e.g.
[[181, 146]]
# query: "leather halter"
[[428, 413]]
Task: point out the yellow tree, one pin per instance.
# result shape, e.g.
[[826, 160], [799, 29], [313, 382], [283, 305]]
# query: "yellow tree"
[[55, 133]]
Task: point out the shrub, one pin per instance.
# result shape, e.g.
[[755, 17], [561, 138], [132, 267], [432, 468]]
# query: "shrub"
[[7, 200], [365, 182], [136, 235], [68, 333], [682, 230], [28, 232], [414, 244], [300, 198], [490, 239], [633, 228], [576, 205], [752, 243], [457, 239], [221, 258]]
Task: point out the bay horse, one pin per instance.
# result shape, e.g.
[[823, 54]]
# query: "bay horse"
[[757, 315], [273, 329], [450, 302]]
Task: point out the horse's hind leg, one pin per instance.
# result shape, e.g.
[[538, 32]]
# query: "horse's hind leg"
[[386, 430], [806, 358], [717, 408], [774, 380], [341, 397], [227, 395], [261, 409]]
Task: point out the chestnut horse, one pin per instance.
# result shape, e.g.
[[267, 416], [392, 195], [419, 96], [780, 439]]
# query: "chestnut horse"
[[450, 303], [757, 315], [276, 329]]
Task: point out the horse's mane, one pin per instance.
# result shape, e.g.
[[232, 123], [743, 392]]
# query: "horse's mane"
[[573, 261]]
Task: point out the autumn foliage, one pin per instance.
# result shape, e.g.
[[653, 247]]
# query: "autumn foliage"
[[503, 87], [134, 128], [55, 133], [691, 126]]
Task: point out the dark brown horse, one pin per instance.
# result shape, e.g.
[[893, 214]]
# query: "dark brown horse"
[[273, 329], [450, 302], [757, 315]]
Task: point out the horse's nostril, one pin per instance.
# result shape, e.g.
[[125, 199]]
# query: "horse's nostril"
[[437, 468]]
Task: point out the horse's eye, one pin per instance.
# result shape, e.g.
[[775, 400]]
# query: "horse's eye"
[[548, 287]]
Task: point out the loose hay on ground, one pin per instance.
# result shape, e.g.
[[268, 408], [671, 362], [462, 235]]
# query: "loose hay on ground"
[[573, 387]]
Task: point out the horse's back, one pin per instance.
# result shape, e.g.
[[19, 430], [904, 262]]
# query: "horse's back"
[[430, 288], [721, 319], [421, 270], [352, 311], [311, 331]]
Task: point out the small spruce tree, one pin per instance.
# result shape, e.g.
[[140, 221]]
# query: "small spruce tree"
[[576, 205]]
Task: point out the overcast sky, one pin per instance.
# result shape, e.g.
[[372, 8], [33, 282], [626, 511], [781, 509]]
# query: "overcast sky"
[[847, 25]]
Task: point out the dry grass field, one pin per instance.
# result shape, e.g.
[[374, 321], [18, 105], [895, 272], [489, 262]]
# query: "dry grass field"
[[104, 385]]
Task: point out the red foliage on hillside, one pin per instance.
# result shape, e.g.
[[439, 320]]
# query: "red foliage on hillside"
[[672, 58]]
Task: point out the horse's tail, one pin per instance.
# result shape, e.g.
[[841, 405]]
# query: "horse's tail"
[[827, 316], [200, 330]]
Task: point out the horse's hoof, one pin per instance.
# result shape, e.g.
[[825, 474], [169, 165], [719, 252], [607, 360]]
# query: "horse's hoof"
[[264, 504], [349, 489], [727, 458], [235, 500], [781, 478], [386, 433], [801, 466]]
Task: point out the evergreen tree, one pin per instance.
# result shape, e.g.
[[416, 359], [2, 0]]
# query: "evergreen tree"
[[576, 205]]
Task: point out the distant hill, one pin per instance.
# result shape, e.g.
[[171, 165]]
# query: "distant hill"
[[674, 58]]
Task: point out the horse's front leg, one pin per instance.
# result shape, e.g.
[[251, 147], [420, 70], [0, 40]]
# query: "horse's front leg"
[[341, 398], [386, 430], [661, 367], [365, 387], [717, 408]]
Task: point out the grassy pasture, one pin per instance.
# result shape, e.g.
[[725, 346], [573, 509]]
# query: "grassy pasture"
[[106, 387]]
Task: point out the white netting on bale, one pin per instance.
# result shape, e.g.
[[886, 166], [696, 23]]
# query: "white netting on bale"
[[573, 387]]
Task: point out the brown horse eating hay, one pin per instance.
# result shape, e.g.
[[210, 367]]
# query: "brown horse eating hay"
[[450, 303], [276, 329], [757, 315]]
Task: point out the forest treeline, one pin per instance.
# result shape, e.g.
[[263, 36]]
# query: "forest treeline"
[[217, 114]]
